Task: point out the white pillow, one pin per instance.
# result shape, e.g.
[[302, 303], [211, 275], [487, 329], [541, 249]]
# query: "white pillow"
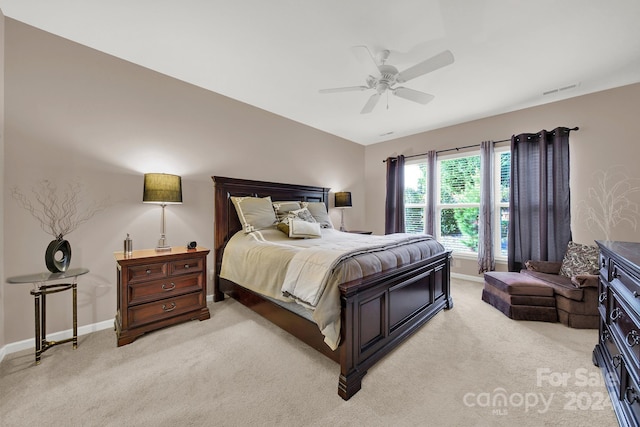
[[303, 214], [282, 209], [255, 213], [319, 212], [299, 229]]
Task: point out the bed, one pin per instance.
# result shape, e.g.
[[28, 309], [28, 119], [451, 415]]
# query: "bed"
[[377, 312]]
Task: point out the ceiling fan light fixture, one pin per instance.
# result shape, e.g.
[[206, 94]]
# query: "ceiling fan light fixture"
[[383, 77]]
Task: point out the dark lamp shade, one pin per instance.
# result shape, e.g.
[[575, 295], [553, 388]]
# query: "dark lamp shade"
[[343, 199], [162, 188]]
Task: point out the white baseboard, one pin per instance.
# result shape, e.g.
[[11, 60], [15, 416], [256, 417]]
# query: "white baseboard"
[[58, 336], [479, 279]]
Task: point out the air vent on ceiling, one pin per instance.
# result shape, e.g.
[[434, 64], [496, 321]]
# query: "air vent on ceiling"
[[387, 133], [561, 89]]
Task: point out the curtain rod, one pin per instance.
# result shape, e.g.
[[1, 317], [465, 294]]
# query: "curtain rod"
[[462, 148]]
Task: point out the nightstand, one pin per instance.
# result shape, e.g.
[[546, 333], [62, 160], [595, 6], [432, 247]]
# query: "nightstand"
[[359, 232], [158, 289]]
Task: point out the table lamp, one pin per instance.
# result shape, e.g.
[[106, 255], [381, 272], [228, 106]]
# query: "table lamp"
[[163, 189], [343, 200]]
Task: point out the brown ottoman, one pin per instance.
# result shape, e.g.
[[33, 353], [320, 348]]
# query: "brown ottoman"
[[520, 297]]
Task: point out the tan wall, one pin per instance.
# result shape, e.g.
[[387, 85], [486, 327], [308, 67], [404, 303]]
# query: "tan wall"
[[2, 299], [606, 142], [73, 112]]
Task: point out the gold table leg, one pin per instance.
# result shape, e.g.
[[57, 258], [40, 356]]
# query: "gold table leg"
[[40, 302], [75, 315], [36, 299]]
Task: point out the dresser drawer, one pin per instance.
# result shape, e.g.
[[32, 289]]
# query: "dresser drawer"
[[603, 299], [141, 273], [604, 266], [626, 333], [164, 309], [630, 394], [620, 277], [611, 353], [186, 266], [159, 289]]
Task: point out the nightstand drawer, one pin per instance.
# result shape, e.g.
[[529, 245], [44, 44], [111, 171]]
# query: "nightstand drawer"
[[186, 266], [159, 289], [142, 273], [164, 309]]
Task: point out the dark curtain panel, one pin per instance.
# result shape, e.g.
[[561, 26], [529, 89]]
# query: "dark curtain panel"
[[430, 214], [486, 260], [539, 203], [394, 207]]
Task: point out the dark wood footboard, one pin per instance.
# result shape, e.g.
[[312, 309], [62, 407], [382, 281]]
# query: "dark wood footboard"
[[381, 311], [378, 311]]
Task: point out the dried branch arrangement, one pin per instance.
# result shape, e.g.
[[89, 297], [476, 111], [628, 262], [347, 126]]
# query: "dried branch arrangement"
[[58, 211], [613, 201]]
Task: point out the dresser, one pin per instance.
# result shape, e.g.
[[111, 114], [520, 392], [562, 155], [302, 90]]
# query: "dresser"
[[618, 350], [158, 289]]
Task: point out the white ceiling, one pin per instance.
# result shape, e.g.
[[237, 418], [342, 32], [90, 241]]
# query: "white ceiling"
[[277, 54]]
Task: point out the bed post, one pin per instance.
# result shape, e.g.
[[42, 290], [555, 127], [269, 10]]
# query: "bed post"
[[221, 215], [350, 381]]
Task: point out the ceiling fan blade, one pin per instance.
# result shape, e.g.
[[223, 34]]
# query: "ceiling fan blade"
[[371, 103], [440, 60], [364, 56], [413, 95], [343, 89]]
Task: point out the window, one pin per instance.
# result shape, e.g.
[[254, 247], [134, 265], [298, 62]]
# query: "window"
[[415, 200], [458, 200], [502, 187]]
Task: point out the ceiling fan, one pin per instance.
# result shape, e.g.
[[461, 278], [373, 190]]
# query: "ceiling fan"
[[383, 77]]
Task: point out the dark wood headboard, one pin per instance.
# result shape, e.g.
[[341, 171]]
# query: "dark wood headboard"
[[226, 222]]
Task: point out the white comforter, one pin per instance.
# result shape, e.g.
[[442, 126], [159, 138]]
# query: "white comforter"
[[309, 271]]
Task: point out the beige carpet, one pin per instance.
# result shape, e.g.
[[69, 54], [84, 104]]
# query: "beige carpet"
[[469, 366]]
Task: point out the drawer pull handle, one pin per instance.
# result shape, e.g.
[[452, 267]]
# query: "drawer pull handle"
[[603, 297], [605, 336], [615, 274], [617, 361], [633, 338], [148, 271], [603, 262], [171, 307], [165, 288], [630, 395], [186, 266], [615, 314], [636, 294]]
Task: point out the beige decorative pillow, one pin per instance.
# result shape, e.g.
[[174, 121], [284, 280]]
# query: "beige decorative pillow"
[[299, 229], [282, 209], [319, 212], [255, 213], [302, 214], [580, 259]]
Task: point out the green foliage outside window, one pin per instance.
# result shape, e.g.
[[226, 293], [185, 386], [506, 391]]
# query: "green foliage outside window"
[[460, 184], [415, 194]]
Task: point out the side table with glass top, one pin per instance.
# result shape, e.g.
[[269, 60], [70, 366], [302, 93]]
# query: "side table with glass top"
[[42, 288]]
